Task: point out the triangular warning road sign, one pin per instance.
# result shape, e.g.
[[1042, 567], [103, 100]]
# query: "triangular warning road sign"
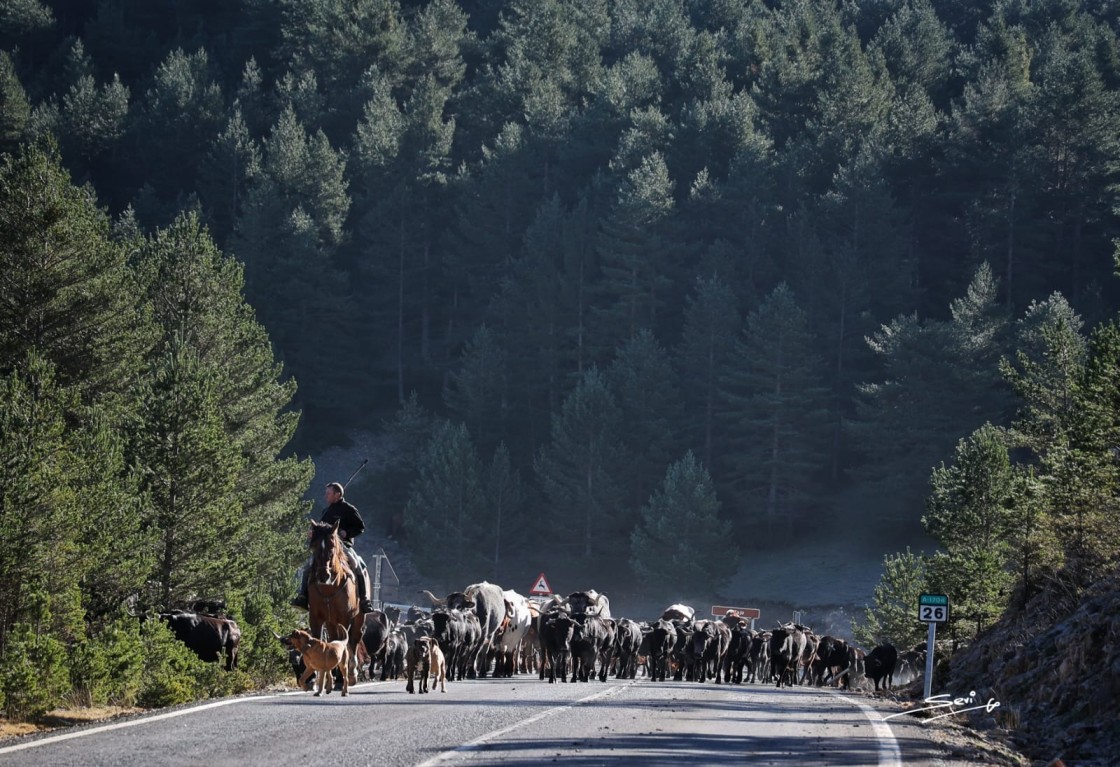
[[541, 587]]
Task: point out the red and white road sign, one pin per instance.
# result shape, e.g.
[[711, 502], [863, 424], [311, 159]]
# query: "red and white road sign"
[[541, 587], [743, 612]]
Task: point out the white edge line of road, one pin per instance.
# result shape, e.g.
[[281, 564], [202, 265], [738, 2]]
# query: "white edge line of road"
[[889, 753], [156, 718], [477, 743]]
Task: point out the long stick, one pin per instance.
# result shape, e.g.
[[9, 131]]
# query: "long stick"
[[363, 465]]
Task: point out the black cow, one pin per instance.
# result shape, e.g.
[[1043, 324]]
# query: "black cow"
[[295, 660], [449, 629], [593, 637], [487, 602], [911, 664], [880, 664], [556, 629], [662, 639], [681, 654], [374, 637], [784, 655], [206, 636], [832, 662], [627, 642], [214, 607], [759, 663], [857, 663], [738, 653], [396, 647], [808, 652], [473, 646], [710, 640]]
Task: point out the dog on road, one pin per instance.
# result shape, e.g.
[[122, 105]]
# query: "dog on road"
[[425, 658], [321, 658], [439, 668]]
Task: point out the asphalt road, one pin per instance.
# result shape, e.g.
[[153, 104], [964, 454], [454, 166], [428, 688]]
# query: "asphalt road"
[[518, 722]]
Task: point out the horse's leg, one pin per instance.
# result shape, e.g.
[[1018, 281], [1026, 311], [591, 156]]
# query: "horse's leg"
[[357, 630]]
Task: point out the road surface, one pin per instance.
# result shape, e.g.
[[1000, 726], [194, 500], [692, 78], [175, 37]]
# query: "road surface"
[[510, 722]]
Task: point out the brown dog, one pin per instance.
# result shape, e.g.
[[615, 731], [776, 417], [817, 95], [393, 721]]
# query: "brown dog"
[[321, 658], [418, 662]]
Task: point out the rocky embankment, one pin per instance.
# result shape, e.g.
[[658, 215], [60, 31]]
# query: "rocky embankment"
[[1055, 669]]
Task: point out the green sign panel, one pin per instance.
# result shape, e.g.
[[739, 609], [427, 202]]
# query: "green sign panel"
[[933, 608]]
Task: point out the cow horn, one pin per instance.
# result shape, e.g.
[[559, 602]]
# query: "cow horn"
[[278, 637], [436, 601]]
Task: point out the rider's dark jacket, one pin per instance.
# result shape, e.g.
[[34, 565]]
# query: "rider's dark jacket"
[[349, 520]]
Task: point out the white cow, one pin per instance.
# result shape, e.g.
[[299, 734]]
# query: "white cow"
[[510, 635], [679, 612]]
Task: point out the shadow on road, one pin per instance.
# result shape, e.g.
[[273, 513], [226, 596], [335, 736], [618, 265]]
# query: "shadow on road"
[[674, 750]]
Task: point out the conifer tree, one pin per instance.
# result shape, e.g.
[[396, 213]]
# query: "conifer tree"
[[477, 391], [780, 408], [636, 260], [69, 296], [641, 378], [506, 496], [680, 542], [38, 511], [179, 116], [446, 513], [287, 239], [15, 110], [969, 515], [578, 470], [704, 358], [196, 294], [891, 619], [93, 120], [188, 472], [229, 168], [937, 378]]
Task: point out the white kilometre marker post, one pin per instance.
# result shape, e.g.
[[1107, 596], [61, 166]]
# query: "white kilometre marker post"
[[933, 609]]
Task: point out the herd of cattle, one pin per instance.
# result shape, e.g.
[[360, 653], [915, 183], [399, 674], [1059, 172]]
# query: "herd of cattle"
[[484, 630]]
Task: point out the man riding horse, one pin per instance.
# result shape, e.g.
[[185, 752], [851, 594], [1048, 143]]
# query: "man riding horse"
[[350, 526]]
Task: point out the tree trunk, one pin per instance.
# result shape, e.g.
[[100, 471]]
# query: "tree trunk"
[[588, 516], [1010, 246], [400, 311], [709, 404]]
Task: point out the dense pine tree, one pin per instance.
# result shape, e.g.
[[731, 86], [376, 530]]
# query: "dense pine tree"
[[68, 295], [446, 513], [579, 470], [467, 209], [196, 294], [681, 544], [704, 359], [776, 400]]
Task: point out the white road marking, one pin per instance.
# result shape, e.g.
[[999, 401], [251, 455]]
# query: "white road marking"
[[889, 753], [477, 743], [159, 717]]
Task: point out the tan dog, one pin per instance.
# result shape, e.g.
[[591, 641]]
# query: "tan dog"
[[321, 658], [439, 668]]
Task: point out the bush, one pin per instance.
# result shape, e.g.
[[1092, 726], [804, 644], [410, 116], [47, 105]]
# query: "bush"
[[109, 666], [34, 675], [172, 673], [261, 655]]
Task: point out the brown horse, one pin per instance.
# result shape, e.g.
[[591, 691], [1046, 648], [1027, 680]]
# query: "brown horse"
[[333, 593]]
